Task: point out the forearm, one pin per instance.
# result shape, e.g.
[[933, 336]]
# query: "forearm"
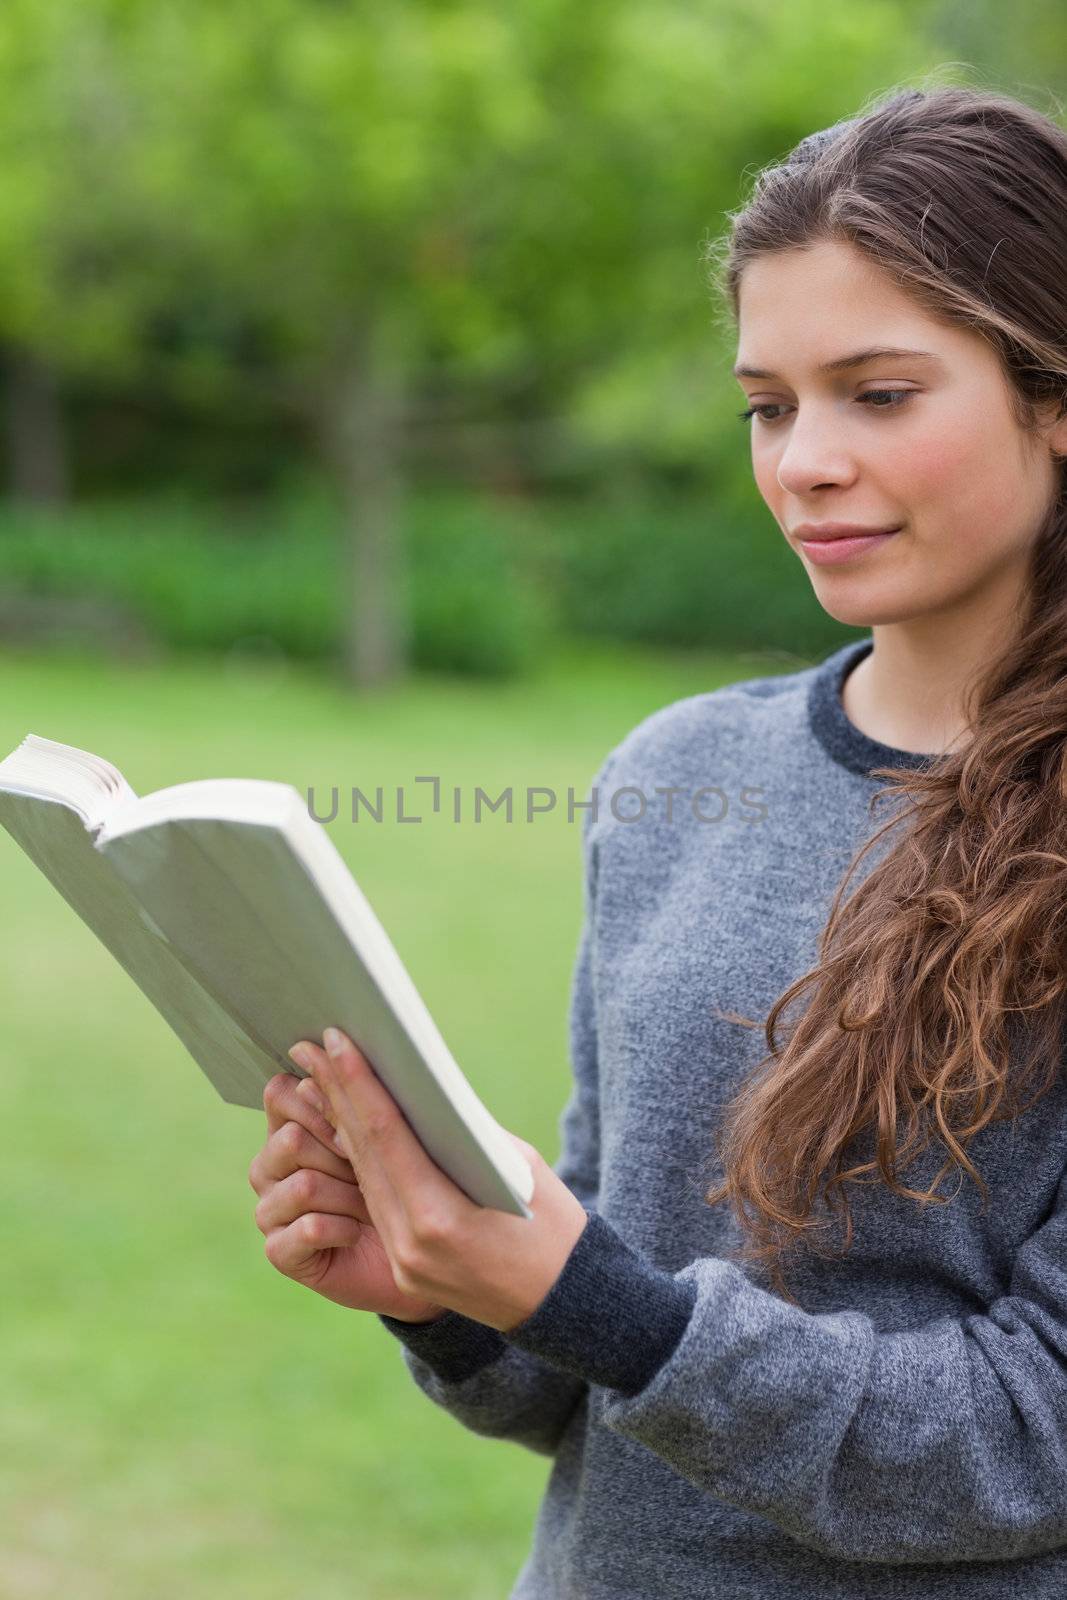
[[946, 1443]]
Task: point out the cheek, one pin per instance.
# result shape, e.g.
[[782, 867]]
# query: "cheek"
[[963, 484], [765, 475]]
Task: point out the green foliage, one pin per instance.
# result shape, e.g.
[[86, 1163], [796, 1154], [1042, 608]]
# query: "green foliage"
[[200, 580], [478, 607], [493, 582], [221, 198], [689, 572]]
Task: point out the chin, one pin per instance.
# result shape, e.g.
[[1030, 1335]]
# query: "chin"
[[860, 610]]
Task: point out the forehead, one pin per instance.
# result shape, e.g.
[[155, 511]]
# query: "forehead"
[[827, 270], [805, 307]]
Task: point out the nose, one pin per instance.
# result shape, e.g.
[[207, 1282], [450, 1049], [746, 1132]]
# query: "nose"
[[813, 455]]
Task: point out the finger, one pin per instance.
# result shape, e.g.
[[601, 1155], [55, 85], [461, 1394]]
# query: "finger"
[[386, 1154], [297, 1248], [322, 1117], [307, 1191], [287, 1098], [291, 1148], [308, 1090], [358, 1141]]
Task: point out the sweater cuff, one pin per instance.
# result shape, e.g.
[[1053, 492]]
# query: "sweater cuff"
[[453, 1346], [611, 1317]]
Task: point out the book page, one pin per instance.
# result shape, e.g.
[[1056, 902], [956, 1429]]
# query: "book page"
[[55, 838]]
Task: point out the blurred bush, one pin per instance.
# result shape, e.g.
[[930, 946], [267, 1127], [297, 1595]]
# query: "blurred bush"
[[201, 577], [494, 579], [687, 568]]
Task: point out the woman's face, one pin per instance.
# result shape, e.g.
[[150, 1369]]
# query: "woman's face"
[[942, 459]]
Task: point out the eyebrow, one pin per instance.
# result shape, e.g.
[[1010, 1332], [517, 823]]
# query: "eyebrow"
[[858, 358]]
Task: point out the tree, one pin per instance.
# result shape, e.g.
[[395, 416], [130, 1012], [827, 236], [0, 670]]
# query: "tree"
[[371, 212]]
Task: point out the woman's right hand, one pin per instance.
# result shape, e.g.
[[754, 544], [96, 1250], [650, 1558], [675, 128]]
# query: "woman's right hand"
[[312, 1211]]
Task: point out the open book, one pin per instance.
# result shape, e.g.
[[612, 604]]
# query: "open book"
[[230, 907]]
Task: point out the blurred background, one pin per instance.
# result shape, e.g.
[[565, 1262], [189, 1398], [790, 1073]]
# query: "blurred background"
[[364, 413]]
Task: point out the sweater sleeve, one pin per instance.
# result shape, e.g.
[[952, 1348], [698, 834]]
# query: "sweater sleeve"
[[944, 1443], [468, 1369]]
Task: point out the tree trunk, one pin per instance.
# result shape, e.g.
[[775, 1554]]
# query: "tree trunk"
[[361, 433], [36, 443]]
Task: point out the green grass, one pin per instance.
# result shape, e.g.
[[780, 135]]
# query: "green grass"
[[179, 1418]]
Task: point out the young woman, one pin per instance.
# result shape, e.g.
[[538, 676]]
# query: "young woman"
[[852, 1377]]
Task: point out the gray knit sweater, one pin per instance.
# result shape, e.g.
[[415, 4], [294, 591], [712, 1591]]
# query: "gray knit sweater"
[[903, 1433]]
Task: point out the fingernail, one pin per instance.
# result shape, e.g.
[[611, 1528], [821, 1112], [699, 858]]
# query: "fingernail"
[[299, 1054], [334, 1043], [306, 1087]]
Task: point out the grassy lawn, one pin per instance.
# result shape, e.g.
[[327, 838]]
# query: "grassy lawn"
[[179, 1419]]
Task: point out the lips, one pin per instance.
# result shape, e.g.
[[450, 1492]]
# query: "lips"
[[841, 548], [823, 532]]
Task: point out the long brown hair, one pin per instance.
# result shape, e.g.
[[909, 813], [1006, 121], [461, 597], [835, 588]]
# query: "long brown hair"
[[961, 195]]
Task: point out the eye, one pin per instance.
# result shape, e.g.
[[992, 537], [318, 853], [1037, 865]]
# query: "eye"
[[896, 397]]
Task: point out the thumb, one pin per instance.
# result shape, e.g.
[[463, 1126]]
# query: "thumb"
[[533, 1155]]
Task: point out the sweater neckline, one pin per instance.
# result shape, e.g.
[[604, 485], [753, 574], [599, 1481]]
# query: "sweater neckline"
[[840, 737]]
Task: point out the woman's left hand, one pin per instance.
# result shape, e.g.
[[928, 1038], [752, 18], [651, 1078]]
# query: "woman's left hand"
[[486, 1264]]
